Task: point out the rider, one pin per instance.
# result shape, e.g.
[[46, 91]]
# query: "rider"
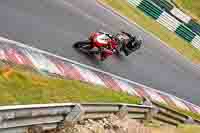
[[108, 50], [131, 45], [127, 41]]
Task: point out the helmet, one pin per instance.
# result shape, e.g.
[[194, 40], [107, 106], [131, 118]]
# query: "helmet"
[[131, 41], [138, 43], [139, 40], [134, 42]]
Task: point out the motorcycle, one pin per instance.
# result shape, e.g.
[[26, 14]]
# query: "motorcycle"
[[97, 41]]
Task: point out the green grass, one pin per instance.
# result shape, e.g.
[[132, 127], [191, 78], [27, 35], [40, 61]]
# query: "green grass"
[[149, 24], [26, 87], [181, 129], [188, 129], [192, 7]]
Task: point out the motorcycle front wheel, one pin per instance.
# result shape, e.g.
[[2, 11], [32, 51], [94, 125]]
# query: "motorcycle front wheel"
[[82, 44]]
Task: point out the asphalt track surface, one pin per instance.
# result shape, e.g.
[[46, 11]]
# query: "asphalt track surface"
[[54, 25]]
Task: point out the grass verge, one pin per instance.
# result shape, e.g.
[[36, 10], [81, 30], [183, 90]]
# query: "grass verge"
[[181, 129], [19, 86], [191, 7], [150, 25], [188, 129]]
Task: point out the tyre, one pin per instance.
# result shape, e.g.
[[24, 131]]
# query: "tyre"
[[117, 52], [102, 56], [82, 44]]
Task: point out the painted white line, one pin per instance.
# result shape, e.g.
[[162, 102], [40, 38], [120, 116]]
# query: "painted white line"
[[179, 103], [89, 76], [168, 21], [181, 15], [41, 62], [135, 2], [126, 87], [155, 96], [3, 54]]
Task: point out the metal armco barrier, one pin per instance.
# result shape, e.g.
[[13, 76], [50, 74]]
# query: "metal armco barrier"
[[172, 18], [172, 117], [169, 116], [16, 119]]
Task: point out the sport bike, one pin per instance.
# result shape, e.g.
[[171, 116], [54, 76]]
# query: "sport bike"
[[105, 44]]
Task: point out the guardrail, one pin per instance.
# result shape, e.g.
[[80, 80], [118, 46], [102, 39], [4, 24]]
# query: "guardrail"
[[171, 116], [16, 119]]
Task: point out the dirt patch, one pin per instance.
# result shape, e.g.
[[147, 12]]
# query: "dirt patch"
[[111, 124]]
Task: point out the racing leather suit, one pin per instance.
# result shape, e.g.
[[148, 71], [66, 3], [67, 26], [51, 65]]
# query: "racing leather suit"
[[127, 45], [108, 50]]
